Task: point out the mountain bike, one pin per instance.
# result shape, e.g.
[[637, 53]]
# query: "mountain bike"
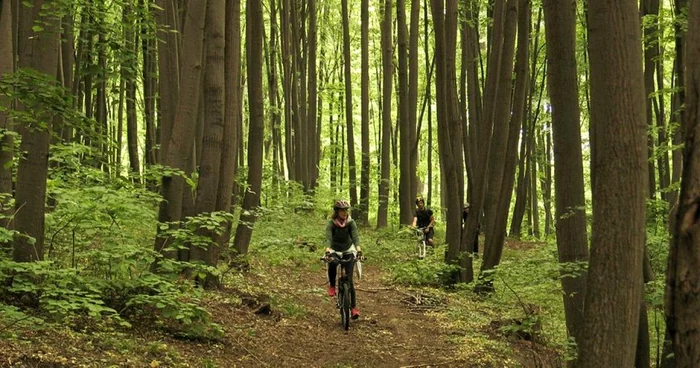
[[342, 298], [422, 242]]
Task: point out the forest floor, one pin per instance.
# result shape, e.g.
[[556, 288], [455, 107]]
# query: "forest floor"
[[280, 316]]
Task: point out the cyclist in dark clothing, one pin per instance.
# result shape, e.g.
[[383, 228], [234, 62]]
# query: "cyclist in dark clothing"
[[343, 242], [424, 219]]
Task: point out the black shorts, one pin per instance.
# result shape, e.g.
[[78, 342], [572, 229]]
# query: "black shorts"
[[430, 234]]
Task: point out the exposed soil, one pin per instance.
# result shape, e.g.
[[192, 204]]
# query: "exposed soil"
[[276, 320]]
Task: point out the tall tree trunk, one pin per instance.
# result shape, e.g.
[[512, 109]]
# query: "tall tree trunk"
[[168, 71], [254, 58], [67, 61], [651, 53], [678, 98], [428, 97], [149, 84], [179, 146], [406, 195], [312, 98], [7, 53], [683, 277], [348, 104], [481, 171], [232, 75], [214, 126], [449, 128], [562, 84], [365, 174], [413, 95], [619, 185], [37, 51], [387, 72], [493, 247], [528, 131]]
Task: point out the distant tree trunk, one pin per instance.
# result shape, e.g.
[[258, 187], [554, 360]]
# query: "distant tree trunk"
[[406, 196], [288, 83], [651, 53], [365, 173], [214, 125], [232, 107], [413, 94], [493, 247], [37, 51], [168, 71], [572, 238], [127, 71], [149, 85], [68, 61], [619, 185], [428, 97], [683, 275], [387, 73], [449, 129], [470, 51], [546, 179], [528, 131], [312, 98], [518, 116], [178, 151], [678, 98], [352, 169], [7, 53], [254, 59]]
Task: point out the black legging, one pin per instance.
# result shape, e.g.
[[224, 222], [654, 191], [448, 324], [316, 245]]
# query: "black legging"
[[349, 268]]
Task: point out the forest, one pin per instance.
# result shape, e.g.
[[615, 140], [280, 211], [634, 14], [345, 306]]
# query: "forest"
[[168, 170]]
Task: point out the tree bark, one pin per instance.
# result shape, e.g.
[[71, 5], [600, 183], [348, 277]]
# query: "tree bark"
[[348, 105], [387, 73], [214, 126], [37, 51], [406, 195], [683, 275], [562, 85], [7, 53], [179, 147], [254, 59], [363, 214], [618, 153]]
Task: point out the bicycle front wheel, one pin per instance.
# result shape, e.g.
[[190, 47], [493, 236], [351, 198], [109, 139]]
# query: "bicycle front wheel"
[[345, 306]]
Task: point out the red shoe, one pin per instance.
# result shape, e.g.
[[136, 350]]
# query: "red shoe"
[[331, 291], [355, 313]]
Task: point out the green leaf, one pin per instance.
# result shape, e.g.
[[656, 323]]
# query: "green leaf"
[[37, 28]]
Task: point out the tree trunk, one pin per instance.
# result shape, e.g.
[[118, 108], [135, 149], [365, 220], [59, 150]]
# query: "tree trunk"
[[38, 51], [562, 85], [149, 85], [254, 58], [363, 213], [651, 53], [619, 185], [493, 247], [179, 146], [7, 53], [348, 104], [413, 95], [387, 73], [406, 196], [168, 71], [312, 98], [232, 107], [678, 98], [683, 277], [214, 125], [449, 130]]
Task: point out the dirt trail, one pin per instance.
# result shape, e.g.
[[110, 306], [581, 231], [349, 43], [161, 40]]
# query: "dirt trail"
[[388, 333]]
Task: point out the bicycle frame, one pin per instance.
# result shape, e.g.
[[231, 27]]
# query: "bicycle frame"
[[343, 301], [422, 243]]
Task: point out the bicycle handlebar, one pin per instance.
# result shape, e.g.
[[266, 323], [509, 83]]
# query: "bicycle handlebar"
[[340, 260]]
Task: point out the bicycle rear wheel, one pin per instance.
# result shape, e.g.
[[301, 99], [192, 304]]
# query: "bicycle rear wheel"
[[344, 295]]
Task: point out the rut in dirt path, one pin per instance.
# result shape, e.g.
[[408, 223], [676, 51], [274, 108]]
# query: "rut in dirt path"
[[389, 333]]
